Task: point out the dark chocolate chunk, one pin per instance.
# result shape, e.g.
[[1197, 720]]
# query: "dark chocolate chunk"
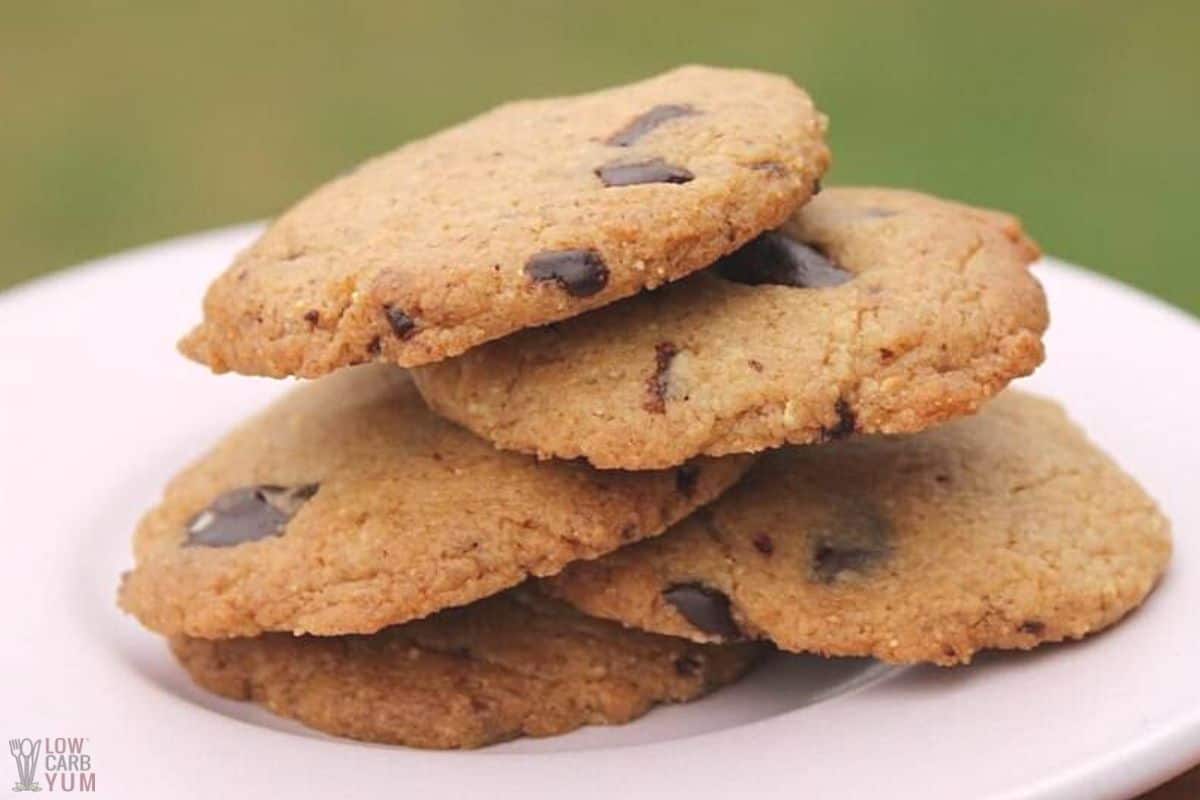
[[402, 324], [846, 424], [707, 609], [764, 544], [641, 125], [829, 560], [312, 316], [688, 665], [685, 479], [374, 346], [657, 383], [878, 213], [772, 168], [580, 272], [855, 540], [653, 171], [1033, 627], [247, 514], [777, 259]]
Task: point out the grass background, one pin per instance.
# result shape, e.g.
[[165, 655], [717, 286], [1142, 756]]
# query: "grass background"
[[126, 122]]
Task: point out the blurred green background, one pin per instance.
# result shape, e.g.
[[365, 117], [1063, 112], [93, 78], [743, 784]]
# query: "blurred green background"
[[126, 122]]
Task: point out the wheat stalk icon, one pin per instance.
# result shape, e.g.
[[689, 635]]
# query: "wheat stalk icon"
[[25, 753]]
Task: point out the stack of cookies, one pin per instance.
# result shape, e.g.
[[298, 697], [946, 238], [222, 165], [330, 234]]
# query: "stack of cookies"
[[667, 408]]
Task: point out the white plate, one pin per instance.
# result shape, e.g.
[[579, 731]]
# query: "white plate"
[[97, 410]]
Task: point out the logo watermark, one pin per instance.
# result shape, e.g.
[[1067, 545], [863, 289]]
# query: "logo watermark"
[[66, 764]]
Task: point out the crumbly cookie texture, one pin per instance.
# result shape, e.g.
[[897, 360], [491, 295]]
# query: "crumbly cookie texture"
[[348, 507], [1003, 530], [511, 665], [533, 212], [873, 310]]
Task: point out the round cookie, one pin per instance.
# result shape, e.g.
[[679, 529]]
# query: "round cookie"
[[898, 311], [1003, 530], [348, 506], [532, 212], [507, 666]]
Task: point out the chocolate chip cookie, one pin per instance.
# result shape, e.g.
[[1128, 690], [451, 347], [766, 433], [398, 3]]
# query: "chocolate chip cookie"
[[511, 665], [1002, 530], [533, 212], [348, 507], [873, 311]]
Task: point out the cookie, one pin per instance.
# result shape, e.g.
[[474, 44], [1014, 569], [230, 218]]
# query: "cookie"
[[348, 507], [511, 665], [533, 212], [873, 311], [1003, 530]]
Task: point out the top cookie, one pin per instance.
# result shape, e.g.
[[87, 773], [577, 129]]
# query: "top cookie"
[[874, 310], [348, 506], [533, 212]]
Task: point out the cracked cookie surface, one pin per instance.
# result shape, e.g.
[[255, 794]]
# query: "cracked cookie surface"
[[511, 665], [1003, 530], [872, 310], [533, 212], [348, 506]]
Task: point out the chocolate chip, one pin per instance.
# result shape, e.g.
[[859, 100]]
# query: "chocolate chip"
[[829, 560], [705, 608], [688, 665], [312, 316], [580, 272], [247, 514], [402, 324], [657, 383], [653, 171], [374, 346], [755, 365], [846, 424], [777, 259], [686, 478], [855, 540], [641, 125], [1033, 627], [763, 544], [885, 354]]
